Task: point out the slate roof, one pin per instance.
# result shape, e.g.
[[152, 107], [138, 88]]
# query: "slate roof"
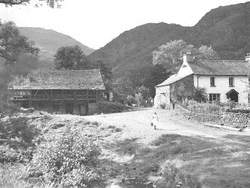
[[212, 68], [172, 79], [61, 79], [221, 67]]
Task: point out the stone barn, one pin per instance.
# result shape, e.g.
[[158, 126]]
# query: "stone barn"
[[61, 91]]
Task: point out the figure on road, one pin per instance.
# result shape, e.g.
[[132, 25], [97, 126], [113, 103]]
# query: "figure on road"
[[155, 120]]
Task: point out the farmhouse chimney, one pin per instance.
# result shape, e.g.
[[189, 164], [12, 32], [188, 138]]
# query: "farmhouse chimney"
[[247, 58], [187, 57]]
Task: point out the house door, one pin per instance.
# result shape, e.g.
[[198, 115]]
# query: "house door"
[[69, 108], [233, 95]]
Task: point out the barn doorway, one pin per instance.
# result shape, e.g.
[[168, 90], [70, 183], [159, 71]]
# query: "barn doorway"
[[233, 95], [69, 108]]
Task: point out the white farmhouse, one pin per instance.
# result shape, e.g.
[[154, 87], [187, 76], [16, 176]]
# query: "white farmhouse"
[[222, 80]]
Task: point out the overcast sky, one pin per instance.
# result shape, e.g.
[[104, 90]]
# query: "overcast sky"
[[97, 22]]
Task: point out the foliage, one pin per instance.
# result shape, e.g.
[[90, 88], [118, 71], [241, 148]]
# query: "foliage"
[[172, 177], [17, 56], [200, 95], [206, 108], [111, 107], [25, 63], [170, 54], [17, 140], [123, 87], [207, 53], [13, 44], [158, 73], [131, 100], [70, 57], [71, 159], [144, 92], [142, 96], [11, 176]]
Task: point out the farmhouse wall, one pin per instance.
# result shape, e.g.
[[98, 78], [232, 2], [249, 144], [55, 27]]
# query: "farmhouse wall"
[[222, 86], [162, 97]]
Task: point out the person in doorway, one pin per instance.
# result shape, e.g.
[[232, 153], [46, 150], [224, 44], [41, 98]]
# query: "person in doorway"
[[155, 120]]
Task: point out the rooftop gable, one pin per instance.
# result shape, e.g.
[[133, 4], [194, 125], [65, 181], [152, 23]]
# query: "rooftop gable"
[[61, 79]]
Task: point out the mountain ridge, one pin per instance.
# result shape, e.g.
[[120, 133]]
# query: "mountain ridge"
[[226, 29], [48, 41]]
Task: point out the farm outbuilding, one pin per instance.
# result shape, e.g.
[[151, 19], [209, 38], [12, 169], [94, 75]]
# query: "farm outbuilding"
[[60, 91]]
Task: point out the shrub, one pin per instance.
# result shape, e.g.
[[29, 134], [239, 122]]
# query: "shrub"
[[200, 95], [69, 160], [17, 140], [172, 177], [131, 100], [111, 107], [163, 105], [211, 108]]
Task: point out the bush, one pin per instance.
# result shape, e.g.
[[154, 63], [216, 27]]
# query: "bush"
[[200, 95], [163, 105], [69, 160], [111, 107], [17, 140], [172, 177], [205, 108], [131, 101]]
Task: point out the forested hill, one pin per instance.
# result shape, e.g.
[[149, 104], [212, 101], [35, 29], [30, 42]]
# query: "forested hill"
[[226, 29]]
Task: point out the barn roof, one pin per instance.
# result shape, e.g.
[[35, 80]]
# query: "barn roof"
[[221, 67], [60, 79]]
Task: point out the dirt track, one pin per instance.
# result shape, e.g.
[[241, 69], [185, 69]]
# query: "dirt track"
[[136, 124], [218, 158]]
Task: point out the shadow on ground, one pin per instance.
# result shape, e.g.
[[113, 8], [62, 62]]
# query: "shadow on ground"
[[174, 160]]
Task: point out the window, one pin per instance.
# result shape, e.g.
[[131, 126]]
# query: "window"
[[212, 81], [231, 81], [214, 97]]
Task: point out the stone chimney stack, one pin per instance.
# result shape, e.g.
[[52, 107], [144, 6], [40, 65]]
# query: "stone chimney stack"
[[187, 57], [247, 58]]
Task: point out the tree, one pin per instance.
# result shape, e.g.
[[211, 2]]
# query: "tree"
[[207, 53], [17, 56], [170, 54], [13, 44], [157, 75], [51, 3], [70, 57]]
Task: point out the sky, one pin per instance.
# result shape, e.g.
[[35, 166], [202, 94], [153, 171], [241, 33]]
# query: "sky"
[[97, 22]]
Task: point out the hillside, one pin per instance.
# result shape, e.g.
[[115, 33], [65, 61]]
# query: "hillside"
[[49, 41], [226, 29]]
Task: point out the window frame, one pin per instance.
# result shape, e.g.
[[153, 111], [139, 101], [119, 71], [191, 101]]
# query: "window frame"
[[214, 97], [212, 81], [231, 81]]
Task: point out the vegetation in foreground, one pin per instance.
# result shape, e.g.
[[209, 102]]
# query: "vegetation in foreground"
[[64, 152]]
